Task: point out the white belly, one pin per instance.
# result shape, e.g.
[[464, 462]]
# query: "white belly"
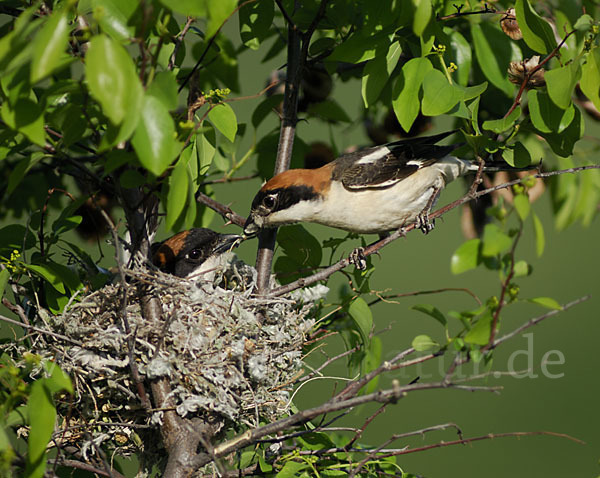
[[386, 209]]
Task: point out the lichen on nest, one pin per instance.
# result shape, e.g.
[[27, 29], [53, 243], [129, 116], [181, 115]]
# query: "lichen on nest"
[[230, 357]]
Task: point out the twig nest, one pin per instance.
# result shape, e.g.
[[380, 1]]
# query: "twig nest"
[[228, 356]]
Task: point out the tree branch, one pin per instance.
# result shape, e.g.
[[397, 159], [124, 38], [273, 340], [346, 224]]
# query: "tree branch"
[[225, 211], [297, 52], [530, 73]]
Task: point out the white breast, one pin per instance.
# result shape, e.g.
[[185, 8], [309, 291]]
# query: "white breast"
[[385, 209]]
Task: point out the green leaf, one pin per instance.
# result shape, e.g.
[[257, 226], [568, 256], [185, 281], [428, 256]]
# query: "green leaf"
[[561, 83], [480, 333], [547, 302], [329, 110], [154, 138], [503, 124], [540, 240], [439, 96], [584, 23], [359, 47], [4, 276], [189, 8], [590, 77], [517, 155], [42, 415], [291, 469], [537, 33], [545, 115], [466, 257], [113, 19], [164, 88], [422, 16], [58, 379], [266, 108], [264, 466], [205, 150], [462, 55], [493, 52], [423, 342], [588, 197], [49, 275], [361, 314], [66, 275], [27, 117], [377, 72], [562, 144], [300, 246], [431, 311], [522, 269], [117, 88], [405, 93], [20, 170], [218, 13], [49, 45], [522, 205], [178, 189], [16, 236], [494, 241], [468, 93], [255, 22], [223, 118]]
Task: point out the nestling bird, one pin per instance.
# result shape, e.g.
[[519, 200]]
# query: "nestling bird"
[[191, 252], [374, 190]]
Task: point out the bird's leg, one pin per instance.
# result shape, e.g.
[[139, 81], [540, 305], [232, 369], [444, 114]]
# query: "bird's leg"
[[358, 258], [423, 217]]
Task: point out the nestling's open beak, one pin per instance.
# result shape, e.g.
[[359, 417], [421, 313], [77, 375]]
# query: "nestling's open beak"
[[250, 228], [227, 242]]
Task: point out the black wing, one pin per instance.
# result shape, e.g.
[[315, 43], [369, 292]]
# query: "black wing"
[[386, 165]]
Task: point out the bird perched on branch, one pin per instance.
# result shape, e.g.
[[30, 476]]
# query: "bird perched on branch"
[[191, 252], [374, 190]]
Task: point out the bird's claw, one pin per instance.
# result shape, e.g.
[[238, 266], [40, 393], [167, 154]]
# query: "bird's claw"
[[424, 224], [358, 258]]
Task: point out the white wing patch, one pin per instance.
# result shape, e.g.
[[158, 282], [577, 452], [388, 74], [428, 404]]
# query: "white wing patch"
[[415, 162], [374, 156], [384, 184]]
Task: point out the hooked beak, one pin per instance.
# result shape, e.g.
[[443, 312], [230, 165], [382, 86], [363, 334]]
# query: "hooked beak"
[[250, 228], [226, 242]]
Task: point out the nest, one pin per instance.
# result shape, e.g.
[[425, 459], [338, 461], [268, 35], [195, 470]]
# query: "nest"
[[231, 358]]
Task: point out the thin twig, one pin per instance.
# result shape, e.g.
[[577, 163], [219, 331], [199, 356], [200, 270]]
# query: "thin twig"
[[531, 72], [489, 436], [228, 180], [297, 53], [209, 45], [459, 13], [222, 209], [179, 41], [386, 298], [16, 309], [124, 299], [41, 331], [85, 467], [505, 285], [537, 320]]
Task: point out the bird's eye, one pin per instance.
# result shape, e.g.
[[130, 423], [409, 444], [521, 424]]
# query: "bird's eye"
[[269, 201], [194, 254]]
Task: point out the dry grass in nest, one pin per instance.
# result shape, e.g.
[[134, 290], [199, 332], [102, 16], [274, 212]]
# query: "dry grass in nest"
[[230, 358]]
